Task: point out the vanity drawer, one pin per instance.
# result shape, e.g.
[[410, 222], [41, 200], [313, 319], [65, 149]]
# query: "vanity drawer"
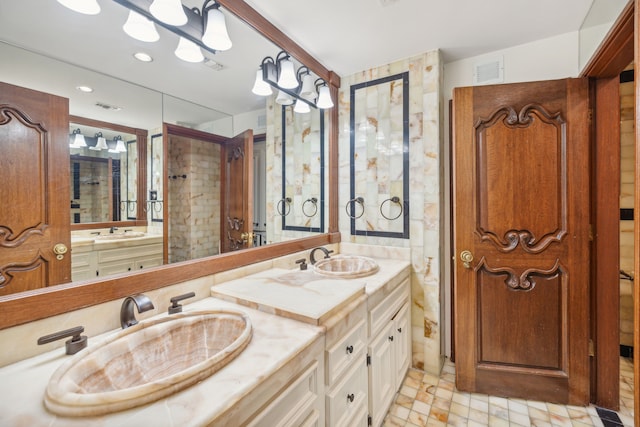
[[128, 253], [380, 315], [295, 406], [347, 350], [347, 403]]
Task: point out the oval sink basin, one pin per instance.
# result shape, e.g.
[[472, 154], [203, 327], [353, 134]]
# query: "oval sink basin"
[[117, 236], [346, 266], [147, 362]]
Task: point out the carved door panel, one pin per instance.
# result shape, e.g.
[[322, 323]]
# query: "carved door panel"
[[34, 190], [237, 200], [521, 231]]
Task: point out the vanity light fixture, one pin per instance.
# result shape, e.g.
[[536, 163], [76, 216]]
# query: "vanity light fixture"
[[140, 28], [101, 143], [188, 51], [171, 12], [206, 27], [276, 72], [78, 139], [86, 7]]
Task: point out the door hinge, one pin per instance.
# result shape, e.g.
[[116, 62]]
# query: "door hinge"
[[590, 118], [592, 351], [369, 420], [591, 232], [368, 360]]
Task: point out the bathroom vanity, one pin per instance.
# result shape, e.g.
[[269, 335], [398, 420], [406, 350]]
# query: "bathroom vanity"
[[324, 351]]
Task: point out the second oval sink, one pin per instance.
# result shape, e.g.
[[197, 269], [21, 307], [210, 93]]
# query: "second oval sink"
[[147, 362], [346, 266]]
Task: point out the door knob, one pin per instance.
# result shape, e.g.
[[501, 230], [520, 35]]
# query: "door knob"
[[466, 257], [60, 249], [246, 236]]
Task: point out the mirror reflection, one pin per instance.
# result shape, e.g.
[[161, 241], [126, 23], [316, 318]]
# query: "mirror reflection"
[[121, 199]]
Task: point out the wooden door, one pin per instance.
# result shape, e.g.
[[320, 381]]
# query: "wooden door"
[[34, 189], [237, 200], [521, 211]]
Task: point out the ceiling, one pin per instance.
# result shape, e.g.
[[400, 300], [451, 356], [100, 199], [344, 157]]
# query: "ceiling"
[[345, 36]]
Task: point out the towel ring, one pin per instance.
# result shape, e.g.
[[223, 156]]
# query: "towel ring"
[[358, 200], [396, 200], [314, 202], [281, 203]]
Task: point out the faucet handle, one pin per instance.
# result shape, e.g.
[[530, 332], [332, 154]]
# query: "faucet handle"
[[177, 308], [74, 345], [303, 263]]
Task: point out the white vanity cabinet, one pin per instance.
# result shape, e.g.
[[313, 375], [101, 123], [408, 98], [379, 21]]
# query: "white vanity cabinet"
[[389, 350], [104, 259], [346, 381]]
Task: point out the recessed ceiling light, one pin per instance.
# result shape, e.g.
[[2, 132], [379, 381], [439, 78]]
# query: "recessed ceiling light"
[[85, 89], [141, 56]]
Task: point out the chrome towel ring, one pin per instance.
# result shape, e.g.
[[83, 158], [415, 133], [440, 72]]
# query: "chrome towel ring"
[[396, 200], [314, 203], [284, 203], [358, 200]]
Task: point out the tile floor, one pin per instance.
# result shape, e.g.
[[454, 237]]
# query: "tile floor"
[[428, 400]]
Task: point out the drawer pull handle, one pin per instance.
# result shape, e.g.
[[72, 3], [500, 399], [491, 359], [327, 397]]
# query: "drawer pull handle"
[[351, 397], [400, 330], [391, 338], [350, 349]]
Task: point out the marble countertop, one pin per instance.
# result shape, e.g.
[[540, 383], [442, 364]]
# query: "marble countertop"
[[307, 296], [296, 294], [276, 345]]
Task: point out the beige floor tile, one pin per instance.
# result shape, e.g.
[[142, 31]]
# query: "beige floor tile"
[[418, 418], [459, 410], [456, 421], [439, 414], [478, 416], [421, 407], [400, 411]]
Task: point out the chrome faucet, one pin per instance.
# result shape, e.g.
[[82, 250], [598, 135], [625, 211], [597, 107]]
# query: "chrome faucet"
[[127, 316], [112, 229], [312, 258]]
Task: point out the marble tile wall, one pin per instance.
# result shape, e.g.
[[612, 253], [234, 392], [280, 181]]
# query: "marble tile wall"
[[194, 212], [627, 164], [425, 170]]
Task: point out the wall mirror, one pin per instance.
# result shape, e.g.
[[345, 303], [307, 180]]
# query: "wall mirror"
[[135, 95], [302, 205]]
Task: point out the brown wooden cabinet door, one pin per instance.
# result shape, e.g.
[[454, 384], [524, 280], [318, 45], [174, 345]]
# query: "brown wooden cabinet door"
[[237, 200], [34, 189], [521, 211]]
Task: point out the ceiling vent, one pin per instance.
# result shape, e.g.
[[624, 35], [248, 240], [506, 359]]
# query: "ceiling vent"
[[262, 121], [488, 71], [216, 66], [108, 106]]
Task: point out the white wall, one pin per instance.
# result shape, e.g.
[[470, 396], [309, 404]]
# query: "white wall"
[[546, 59]]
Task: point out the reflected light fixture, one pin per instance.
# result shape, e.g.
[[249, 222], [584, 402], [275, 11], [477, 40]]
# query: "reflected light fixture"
[[87, 7], [260, 87], [143, 57], [120, 147], [78, 140], [215, 33], [308, 90], [301, 107], [188, 51], [170, 12], [101, 143], [85, 89], [284, 98], [140, 28], [287, 77]]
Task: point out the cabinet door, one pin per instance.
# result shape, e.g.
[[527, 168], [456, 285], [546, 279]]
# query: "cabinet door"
[[114, 267], [146, 262], [382, 373], [346, 403], [402, 344]]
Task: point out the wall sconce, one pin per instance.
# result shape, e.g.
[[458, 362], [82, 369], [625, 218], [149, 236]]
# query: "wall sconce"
[[205, 27], [101, 143], [77, 139], [279, 73]]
